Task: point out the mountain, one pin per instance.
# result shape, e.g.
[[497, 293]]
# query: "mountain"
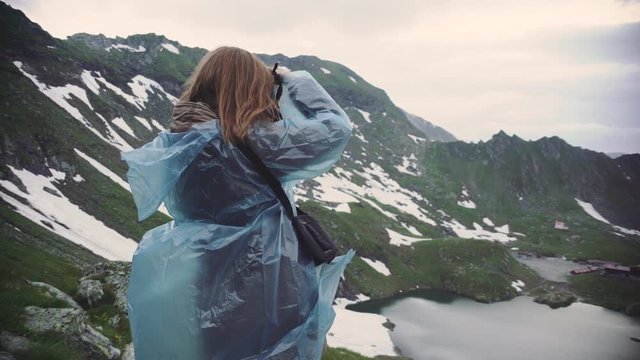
[[615, 155], [430, 131], [421, 209]]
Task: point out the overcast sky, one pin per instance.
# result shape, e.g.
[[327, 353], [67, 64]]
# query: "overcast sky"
[[532, 68]]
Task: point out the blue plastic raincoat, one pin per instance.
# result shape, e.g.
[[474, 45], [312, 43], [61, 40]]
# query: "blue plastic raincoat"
[[225, 279]]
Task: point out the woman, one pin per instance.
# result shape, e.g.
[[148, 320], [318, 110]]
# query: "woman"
[[226, 279]]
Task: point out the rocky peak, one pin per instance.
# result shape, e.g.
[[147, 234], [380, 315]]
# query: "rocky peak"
[[17, 32]]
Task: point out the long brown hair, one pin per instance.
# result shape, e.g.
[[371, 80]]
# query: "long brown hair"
[[237, 85]]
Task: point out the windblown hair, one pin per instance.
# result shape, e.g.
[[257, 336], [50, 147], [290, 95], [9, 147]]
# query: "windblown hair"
[[237, 86]]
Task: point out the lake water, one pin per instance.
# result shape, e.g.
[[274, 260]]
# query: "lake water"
[[436, 325], [551, 268]]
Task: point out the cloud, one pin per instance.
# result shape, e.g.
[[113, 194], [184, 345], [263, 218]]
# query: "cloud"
[[473, 67], [613, 43]]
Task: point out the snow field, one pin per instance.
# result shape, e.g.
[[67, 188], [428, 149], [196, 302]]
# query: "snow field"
[[144, 122], [589, 209], [171, 48], [365, 115], [337, 187], [377, 265], [416, 139], [157, 125], [55, 212], [119, 122], [465, 199], [61, 94], [518, 285], [488, 222], [359, 332], [125, 47], [398, 239], [478, 232], [409, 165], [103, 170]]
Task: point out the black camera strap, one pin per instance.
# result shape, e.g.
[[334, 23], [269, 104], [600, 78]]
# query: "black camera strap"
[[312, 238], [278, 80], [271, 180]]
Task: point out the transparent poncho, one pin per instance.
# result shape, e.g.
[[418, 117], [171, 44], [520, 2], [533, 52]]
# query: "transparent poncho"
[[225, 279]]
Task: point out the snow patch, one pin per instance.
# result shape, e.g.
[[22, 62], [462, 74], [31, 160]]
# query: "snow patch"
[[357, 134], [411, 229], [114, 138], [325, 70], [336, 187], [58, 214], [61, 94], [465, 199], [409, 165], [626, 231], [377, 265], [172, 48], [589, 209], [144, 122], [467, 204], [398, 239], [103, 170], [365, 115], [347, 331], [352, 79], [518, 285], [157, 125], [417, 139], [503, 229], [119, 122], [142, 86], [78, 178], [90, 82], [478, 232], [488, 222], [126, 47]]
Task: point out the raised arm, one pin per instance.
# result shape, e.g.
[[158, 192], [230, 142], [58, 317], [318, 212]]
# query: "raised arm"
[[310, 138]]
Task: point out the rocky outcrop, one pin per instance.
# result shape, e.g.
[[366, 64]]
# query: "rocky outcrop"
[[556, 299], [116, 274], [71, 323], [90, 291], [14, 343], [6, 356], [56, 293], [128, 353]]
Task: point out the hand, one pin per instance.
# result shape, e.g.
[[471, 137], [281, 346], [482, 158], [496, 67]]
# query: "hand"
[[281, 70]]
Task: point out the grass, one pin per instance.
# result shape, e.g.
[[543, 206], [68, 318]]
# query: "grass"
[[341, 354], [30, 252], [52, 347], [612, 292]]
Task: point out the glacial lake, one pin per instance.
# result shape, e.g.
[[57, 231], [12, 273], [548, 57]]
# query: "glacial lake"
[[435, 325]]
